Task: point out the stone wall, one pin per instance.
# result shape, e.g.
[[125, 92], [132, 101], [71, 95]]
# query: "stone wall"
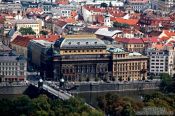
[[115, 87], [13, 89]]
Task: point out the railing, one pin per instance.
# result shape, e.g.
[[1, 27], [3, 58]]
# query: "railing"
[[58, 93]]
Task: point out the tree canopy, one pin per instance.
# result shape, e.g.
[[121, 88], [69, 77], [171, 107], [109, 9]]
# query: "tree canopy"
[[43, 106], [43, 32], [115, 105], [167, 83], [120, 25], [25, 31], [104, 5]]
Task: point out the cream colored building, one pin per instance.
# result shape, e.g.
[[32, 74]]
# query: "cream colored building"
[[36, 25], [128, 66]]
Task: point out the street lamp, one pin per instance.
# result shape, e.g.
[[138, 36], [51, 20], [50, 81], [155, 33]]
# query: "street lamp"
[[40, 83], [62, 82]]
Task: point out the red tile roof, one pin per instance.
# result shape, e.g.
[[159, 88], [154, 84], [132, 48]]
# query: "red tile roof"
[[152, 40], [128, 30], [134, 15], [60, 23], [127, 21], [73, 13], [63, 2], [158, 46], [111, 10], [130, 40], [67, 20], [50, 38], [35, 10], [169, 33], [24, 40], [21, 41]]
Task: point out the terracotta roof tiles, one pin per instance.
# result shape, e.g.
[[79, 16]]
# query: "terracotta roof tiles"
[[24, 40], [127, 21], [130, 40]]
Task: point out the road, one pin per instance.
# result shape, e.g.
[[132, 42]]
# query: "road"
[[61, 94]]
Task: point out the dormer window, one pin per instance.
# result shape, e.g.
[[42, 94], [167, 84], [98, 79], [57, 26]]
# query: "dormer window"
[[78, 43], [95, 43], [69, 43], [87, 43]]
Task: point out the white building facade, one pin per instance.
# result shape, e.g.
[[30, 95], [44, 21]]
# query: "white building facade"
[[161, 61]]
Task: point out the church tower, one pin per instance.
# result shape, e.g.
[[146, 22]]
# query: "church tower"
[[107, 21]]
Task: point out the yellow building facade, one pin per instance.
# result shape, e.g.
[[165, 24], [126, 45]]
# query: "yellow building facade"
[[34, 24], [128, 66]]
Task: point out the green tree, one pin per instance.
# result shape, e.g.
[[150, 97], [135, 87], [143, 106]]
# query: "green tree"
[[6, 107], [104, 5], [95, 113], [166, 82], [110, 4], [25, 31], [23, 105], [128, 111], [43, 32], [41, 103], [120, 25], [41, 113], [43, 106]]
